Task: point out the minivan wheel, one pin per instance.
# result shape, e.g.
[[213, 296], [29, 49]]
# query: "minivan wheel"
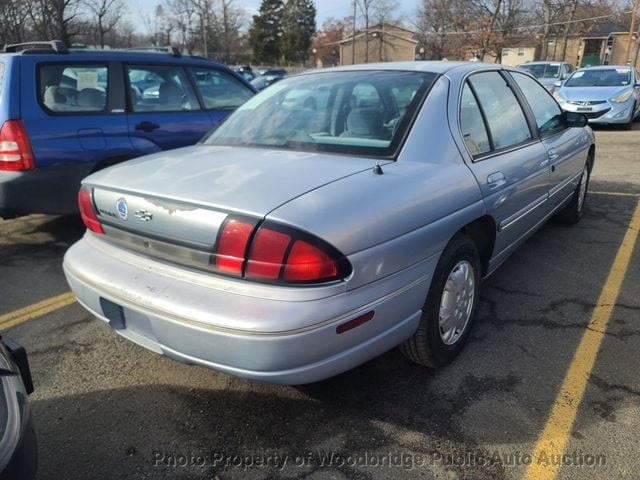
[[573, 212], [450, 306]]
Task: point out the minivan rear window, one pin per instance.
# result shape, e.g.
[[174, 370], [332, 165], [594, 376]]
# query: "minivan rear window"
[[71, 89]]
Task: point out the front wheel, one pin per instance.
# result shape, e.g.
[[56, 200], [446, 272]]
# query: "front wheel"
[[450, 306], [573, 212]]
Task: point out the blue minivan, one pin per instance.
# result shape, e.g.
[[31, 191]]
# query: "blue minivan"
[[66, 113]]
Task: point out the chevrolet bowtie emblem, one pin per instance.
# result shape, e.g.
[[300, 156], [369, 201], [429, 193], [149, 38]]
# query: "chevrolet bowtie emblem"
[[143, 215]]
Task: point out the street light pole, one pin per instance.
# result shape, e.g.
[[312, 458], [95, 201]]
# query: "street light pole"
[[631, 28]]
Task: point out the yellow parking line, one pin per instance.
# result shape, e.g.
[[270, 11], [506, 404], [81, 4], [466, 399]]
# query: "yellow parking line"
[[619, 194], [49, 305], [555, 435]]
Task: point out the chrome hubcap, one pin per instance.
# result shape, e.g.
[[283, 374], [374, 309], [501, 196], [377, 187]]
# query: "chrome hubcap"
[[456, 302], [583, 187]]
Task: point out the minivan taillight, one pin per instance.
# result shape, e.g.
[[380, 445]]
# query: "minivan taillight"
[[275, 253], [15, 150], [87, 210]]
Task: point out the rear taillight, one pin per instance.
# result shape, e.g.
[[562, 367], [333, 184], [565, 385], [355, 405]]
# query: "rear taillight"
[[87, 210], [232, 245], [15, 150], [276, 254]]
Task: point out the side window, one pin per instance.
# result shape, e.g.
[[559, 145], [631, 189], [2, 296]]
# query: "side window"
[[506, 120], [219, 90], [73, 88], [160, 88], [545, 109], [472, 124]]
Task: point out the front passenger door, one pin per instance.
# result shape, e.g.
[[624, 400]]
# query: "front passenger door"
[[565, 146]]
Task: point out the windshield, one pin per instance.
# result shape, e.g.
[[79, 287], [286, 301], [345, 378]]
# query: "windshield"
[[543, 70], [601, 77], [361, 112]]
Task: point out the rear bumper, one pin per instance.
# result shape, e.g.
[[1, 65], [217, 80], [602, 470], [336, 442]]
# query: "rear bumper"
[[193, 322], [50, 190]]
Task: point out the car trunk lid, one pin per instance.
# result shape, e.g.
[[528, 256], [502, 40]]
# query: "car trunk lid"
[[172, 205]]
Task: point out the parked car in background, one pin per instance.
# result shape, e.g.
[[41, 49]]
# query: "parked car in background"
[[548, 73], [330, 218], [245, 71], [18, 446], [273, 72], [263, 81], [606, 95], [65, 114]]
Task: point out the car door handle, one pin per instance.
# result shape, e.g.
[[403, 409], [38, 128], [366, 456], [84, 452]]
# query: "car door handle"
[[553, 155], [496, 180], [147, 126]]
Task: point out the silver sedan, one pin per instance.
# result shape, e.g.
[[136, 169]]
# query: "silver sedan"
[[332, 217], [607, 95]]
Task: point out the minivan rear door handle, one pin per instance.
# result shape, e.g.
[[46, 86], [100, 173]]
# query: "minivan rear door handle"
[[147, 126], [496, 180]]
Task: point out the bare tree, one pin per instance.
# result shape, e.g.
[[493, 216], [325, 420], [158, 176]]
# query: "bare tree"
[[105, 17]]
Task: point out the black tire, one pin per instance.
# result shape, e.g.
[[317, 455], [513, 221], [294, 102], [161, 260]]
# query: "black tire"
[[574, 210], [426, 346]]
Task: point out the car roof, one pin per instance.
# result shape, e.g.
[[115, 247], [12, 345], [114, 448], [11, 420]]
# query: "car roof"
[[435, 66], [550, 62], [113, 55], [607, 67]]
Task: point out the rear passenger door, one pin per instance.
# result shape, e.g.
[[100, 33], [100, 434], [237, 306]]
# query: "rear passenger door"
[[509, 163], [566, 147], [164, 111], [219, 92]]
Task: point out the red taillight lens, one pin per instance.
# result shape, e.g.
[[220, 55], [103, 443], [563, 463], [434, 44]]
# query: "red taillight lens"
[[267, 254], [275, 253], [87, 212], [232, 245], [307, 262], [15, 150]]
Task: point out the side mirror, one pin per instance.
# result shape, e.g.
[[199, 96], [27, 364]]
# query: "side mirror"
[[575, 120], [557, 84]]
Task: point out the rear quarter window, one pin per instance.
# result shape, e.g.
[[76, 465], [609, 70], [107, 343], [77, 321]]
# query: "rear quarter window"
[[73, 89]]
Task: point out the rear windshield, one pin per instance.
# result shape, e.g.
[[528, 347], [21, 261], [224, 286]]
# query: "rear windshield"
[[543, 70], [359, 113], [601, 77]]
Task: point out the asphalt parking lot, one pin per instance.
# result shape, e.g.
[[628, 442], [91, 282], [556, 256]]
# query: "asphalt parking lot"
[[108, 409]]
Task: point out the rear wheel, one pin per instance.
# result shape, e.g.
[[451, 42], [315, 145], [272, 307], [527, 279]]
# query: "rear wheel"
[[573, 212], [449, 308]]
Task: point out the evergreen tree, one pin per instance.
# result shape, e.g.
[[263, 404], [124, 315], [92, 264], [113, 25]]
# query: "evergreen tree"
[[265, 34], [299, 28]]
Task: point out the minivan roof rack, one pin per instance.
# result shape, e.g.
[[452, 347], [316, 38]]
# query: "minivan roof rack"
[[171, 50], [32, 47]]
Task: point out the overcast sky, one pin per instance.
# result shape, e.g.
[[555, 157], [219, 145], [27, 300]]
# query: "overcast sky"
[[326, 8]]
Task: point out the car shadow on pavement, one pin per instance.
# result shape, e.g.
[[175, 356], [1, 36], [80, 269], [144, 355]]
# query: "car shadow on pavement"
[[38, 237]]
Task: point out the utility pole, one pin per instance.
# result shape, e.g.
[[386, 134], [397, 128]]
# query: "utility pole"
[[631, 28], [353, 39], [565, 34]]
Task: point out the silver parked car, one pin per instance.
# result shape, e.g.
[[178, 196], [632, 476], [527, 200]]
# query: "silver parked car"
[[332, 217], [548, 74], [608, 95]]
